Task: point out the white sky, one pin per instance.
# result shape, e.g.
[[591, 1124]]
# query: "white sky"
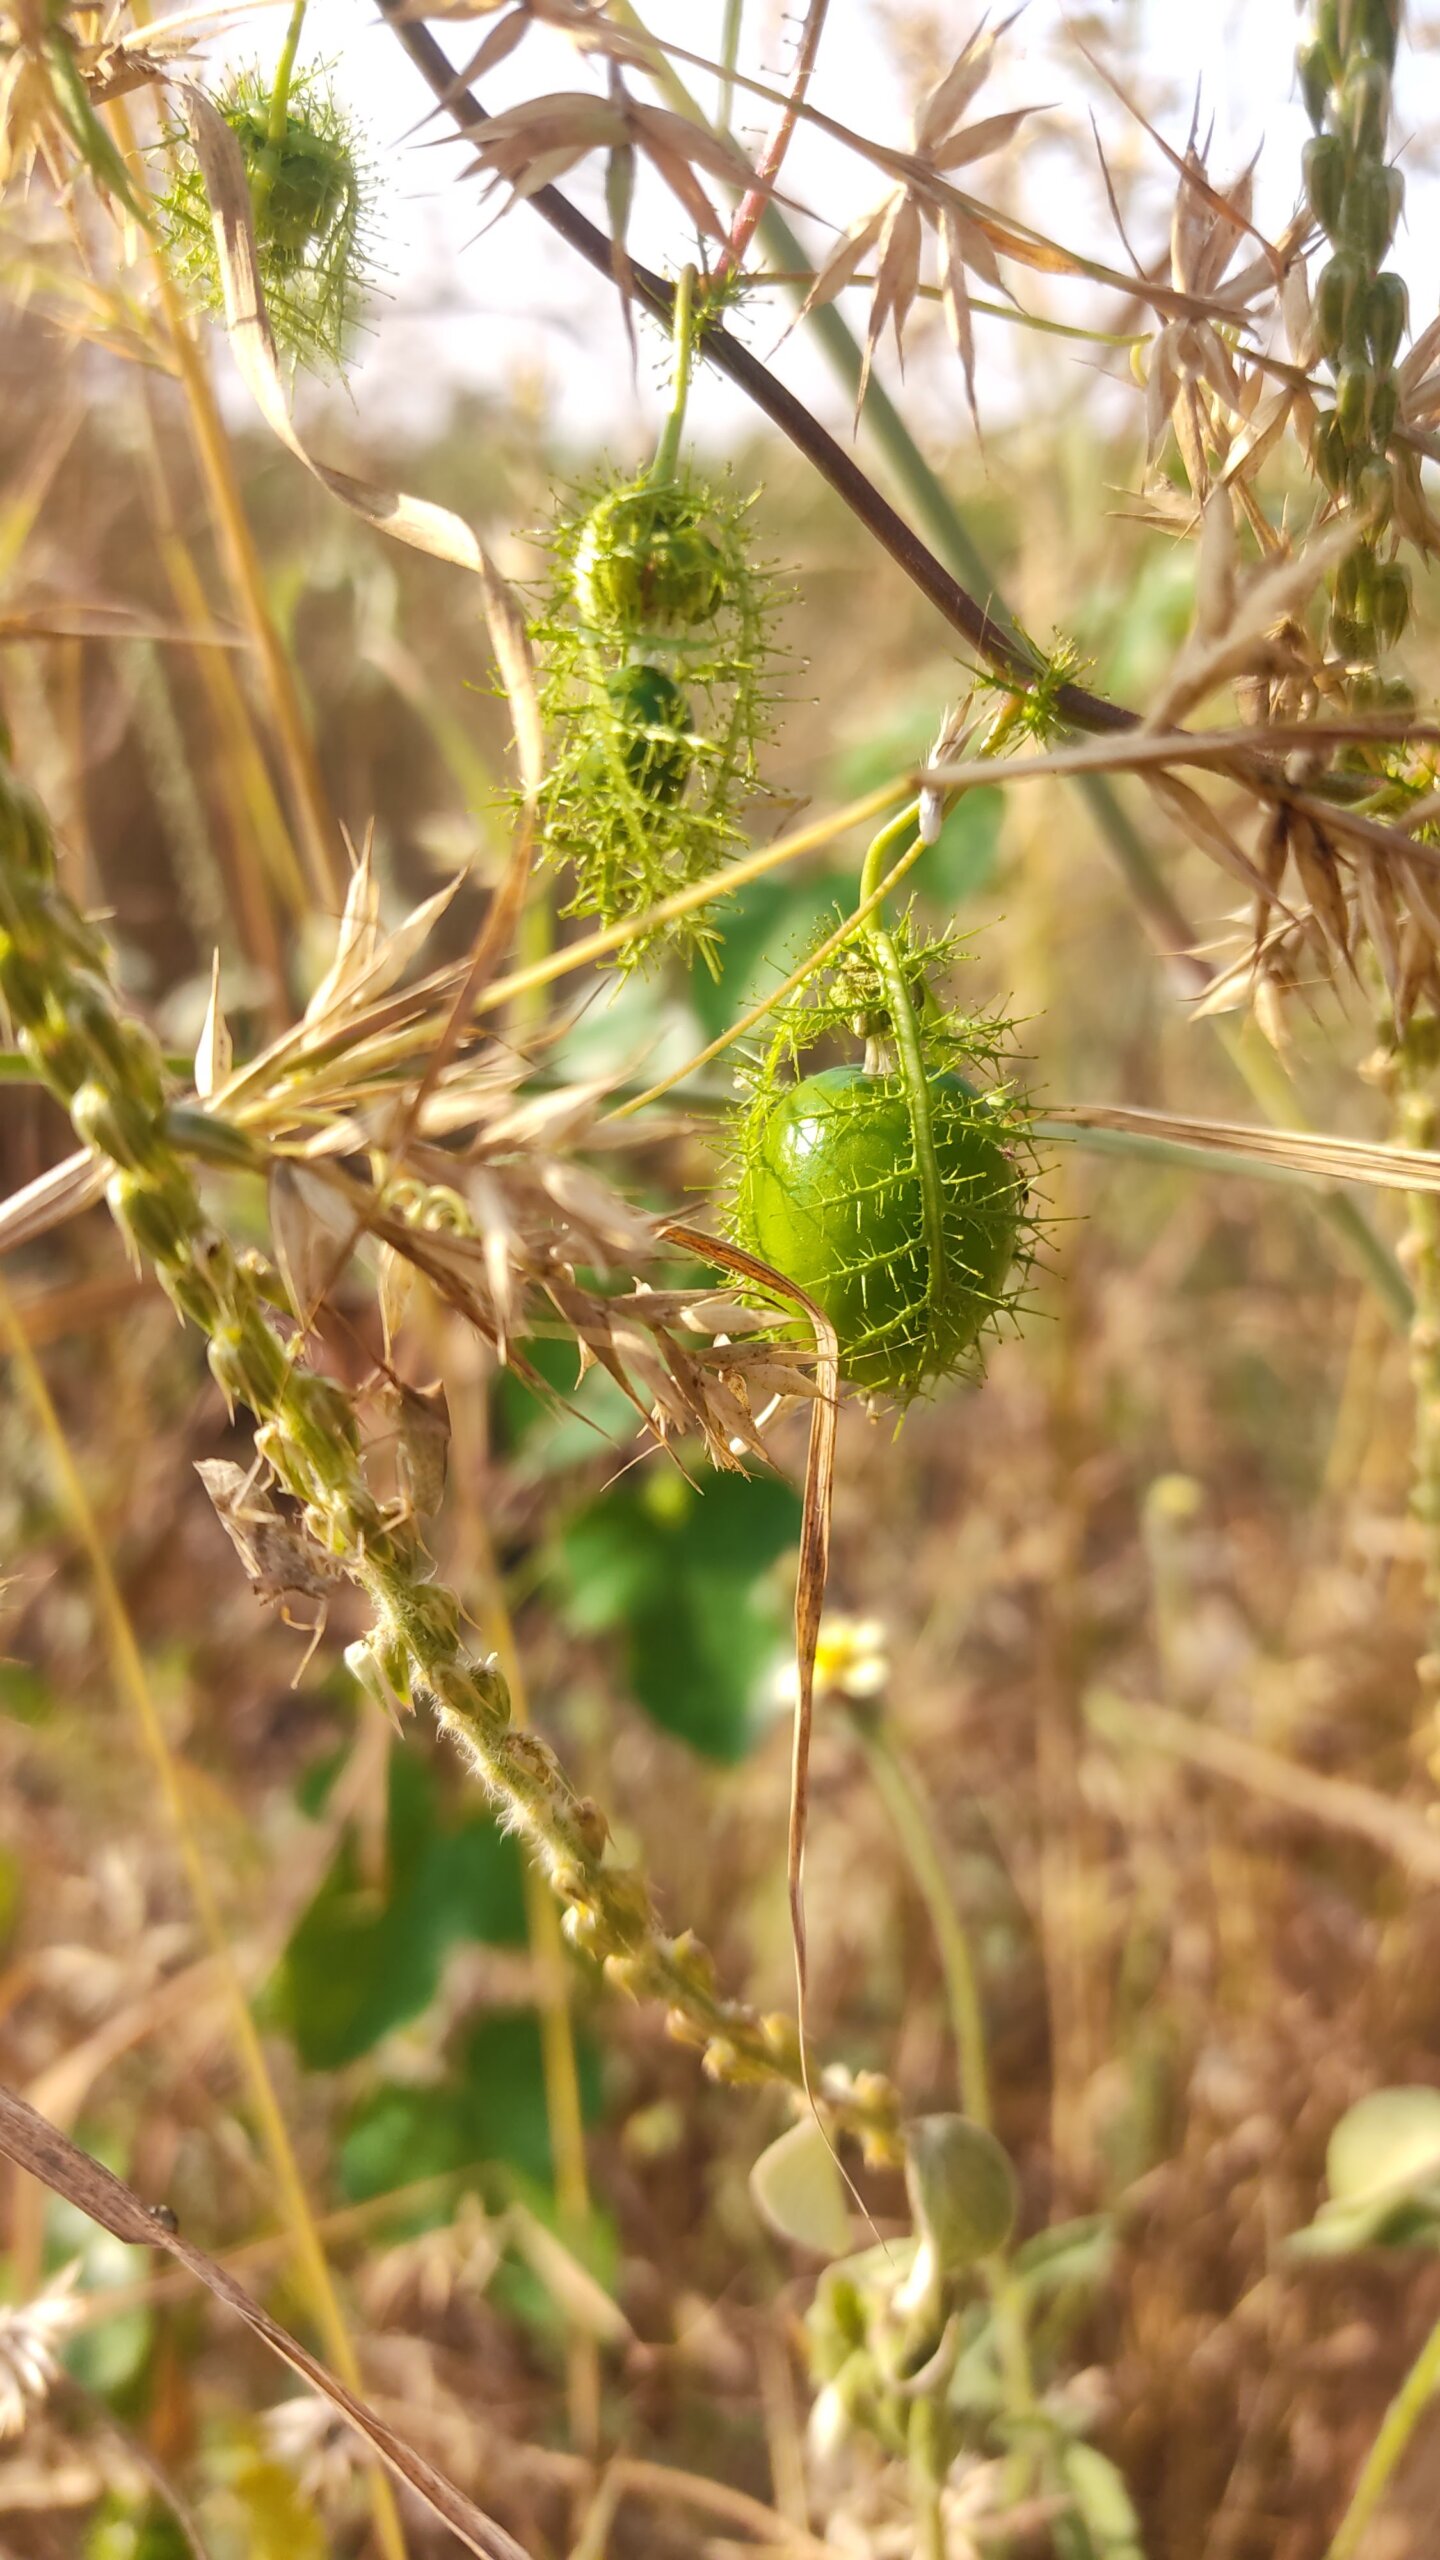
[[512, 304]]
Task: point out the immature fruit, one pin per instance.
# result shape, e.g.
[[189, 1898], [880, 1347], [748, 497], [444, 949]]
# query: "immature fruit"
[[643, 563], [299, 183], [831, 1195], [654, 721]]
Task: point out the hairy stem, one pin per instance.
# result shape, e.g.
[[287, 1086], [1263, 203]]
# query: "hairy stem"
[[667, 451], [107, 1071]]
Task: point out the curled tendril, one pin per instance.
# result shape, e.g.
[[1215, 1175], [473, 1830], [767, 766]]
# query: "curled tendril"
[[311, 197], [654, 640]]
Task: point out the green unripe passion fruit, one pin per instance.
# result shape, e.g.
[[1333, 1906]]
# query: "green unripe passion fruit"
[[299, 183], [653, 716], [643, 563], [830, 1194]]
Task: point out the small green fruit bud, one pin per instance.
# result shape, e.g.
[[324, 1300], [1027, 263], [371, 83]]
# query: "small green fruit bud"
[[654, 721], [1384, 407], [1387, 317], [1314, 73], [147, 1218], [1374, 28], [1323, 164], [1330, 452], [643, 562], [116, 1125], [1370, 211], [1365, 107], [1339, 289], [1373, 491], [1352, 401], [1389, 602], [26, 844]]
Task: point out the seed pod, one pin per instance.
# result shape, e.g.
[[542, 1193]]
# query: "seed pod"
[[1384, 407], [1314, 75], [1352, 584], [1348, 638], [1372, 489], [1374, 27], [147, 1218], [297, 184], [26, 844], [1365, 107], [115, 1124], [654, 720], [644, 562], [1352, 401], [1370, 211], [1389, 602], [1324, 166], [831, 1193], [1339, 292], [1387, 317]]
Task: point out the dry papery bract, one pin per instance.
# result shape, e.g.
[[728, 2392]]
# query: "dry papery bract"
[[477, 1186]]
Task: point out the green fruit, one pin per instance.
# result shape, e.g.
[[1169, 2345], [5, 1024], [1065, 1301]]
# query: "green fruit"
[[1339, 287], [299, 183], [830, 1194], [1323, 162], [1387, 315], [1314, 70], [643, 563], [1370, 210], [654, 721], [1365, 107]]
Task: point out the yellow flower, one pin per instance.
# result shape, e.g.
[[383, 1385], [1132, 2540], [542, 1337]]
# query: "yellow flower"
[[850, 1661]]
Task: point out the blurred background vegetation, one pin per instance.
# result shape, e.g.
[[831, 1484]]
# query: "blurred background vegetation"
[[1172, 1520]]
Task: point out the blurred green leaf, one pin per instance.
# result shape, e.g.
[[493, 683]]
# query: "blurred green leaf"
[[108, 2356], [682, 1570], [490, 2107], [148, 2531], [1102, 2503], [592, 1413], [1383, 2170], [364, 1959]]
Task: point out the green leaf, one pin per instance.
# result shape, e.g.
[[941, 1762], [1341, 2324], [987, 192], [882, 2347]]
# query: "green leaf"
[[797, 2188], [1102, 2503], [681, 1570], [365, 1958], [1383, 2169], [489, 2108], [588, 1415]]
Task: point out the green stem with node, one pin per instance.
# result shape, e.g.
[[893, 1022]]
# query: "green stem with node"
[[667, 451], [897, 1789], [896, 831], [278, 119]]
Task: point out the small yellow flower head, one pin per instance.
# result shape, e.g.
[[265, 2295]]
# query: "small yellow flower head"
[[850, 1662]]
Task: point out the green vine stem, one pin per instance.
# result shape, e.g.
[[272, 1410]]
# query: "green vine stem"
[[667, 451], [108, 1072], [896, 1786], [1414, 2397], [278, 118]]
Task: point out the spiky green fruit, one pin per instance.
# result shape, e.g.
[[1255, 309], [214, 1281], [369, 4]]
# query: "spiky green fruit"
[[830, 1192]]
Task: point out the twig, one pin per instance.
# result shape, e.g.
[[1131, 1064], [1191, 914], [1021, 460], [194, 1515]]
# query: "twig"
[[753, 206]]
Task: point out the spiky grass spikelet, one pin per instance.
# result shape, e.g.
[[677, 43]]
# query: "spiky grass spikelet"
[[311, 197], [655, 643], [896, 1192]]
